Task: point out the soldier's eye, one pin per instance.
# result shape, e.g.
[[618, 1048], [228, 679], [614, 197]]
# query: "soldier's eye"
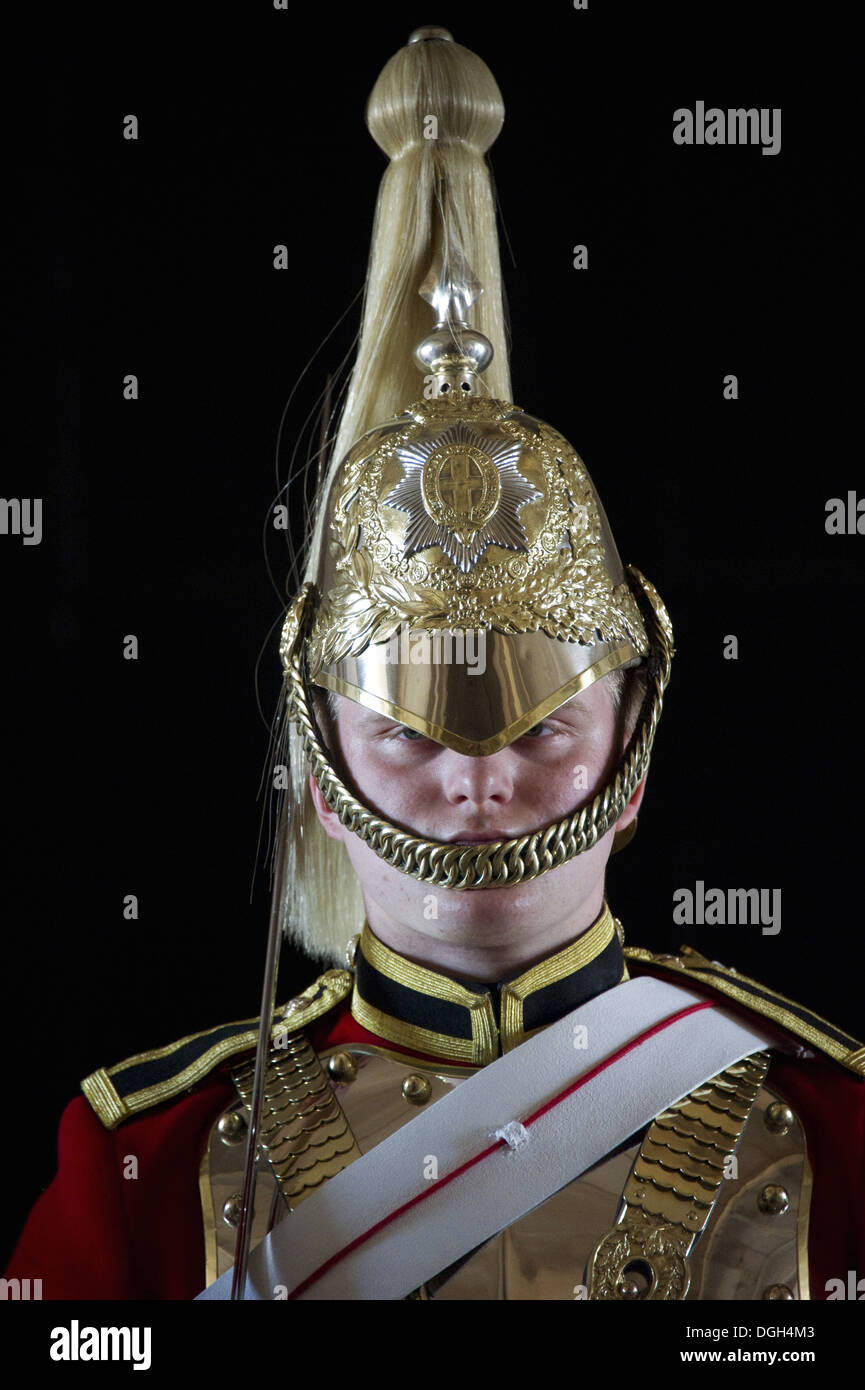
[[535, 731], [410, 733]]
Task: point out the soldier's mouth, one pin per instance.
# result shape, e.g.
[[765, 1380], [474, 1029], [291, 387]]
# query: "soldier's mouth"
[[479, 837]]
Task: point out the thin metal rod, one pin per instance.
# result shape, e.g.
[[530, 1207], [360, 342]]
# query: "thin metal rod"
[[268, 998]]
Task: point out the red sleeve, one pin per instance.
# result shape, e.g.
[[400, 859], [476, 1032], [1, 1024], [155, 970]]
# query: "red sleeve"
[[122, 1218], [830, 1103]]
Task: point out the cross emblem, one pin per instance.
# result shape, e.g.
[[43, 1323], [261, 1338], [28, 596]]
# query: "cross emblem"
[[463, 492], [461, 483]]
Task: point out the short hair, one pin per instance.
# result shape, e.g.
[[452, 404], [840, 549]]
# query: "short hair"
[[627, 689]]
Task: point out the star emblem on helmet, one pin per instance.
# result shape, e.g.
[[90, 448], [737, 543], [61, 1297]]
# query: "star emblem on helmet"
[[463, 492]]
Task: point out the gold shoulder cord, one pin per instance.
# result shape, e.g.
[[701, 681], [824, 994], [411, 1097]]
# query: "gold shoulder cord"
[[671, 1192], [304, 1133]]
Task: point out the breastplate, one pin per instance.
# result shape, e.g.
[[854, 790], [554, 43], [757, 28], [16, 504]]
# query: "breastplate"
[[322, 1112]]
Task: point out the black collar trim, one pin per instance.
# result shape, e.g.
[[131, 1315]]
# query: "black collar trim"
[[414, 1007]]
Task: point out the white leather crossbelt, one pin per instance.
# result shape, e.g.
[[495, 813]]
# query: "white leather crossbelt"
[[482, 1156]]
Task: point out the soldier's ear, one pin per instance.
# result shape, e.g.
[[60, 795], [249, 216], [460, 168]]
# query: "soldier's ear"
[[330, 821], [630, 812]]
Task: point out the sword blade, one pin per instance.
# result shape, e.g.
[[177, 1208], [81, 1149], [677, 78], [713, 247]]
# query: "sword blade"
[[268, 999]]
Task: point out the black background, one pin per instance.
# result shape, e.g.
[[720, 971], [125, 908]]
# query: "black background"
[[154, 257]]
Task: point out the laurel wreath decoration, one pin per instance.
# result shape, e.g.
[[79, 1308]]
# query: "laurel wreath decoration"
[[560, 586]]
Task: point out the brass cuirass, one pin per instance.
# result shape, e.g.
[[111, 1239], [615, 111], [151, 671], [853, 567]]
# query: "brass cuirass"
[[713, 1198]]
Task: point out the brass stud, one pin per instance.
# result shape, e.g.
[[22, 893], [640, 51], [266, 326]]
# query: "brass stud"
[[778, 1291], [773, 1200], [628, 1288], [232, 1128], [342, 1067], [778, 1118], [416, 1089], [232, 1210]]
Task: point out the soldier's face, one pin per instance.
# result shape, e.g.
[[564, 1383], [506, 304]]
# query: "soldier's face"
[[436, 793]]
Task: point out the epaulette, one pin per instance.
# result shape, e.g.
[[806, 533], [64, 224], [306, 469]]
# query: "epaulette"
[[119, 1092], [809, 1027]]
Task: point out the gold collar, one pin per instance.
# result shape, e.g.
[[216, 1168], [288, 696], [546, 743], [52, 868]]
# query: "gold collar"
[[413, 1007]]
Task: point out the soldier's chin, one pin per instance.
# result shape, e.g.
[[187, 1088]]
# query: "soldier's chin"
[[484, 916], [437, 910], [538, 916]]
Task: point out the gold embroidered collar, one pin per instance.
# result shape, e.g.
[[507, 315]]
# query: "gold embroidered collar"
[[414, 1007]]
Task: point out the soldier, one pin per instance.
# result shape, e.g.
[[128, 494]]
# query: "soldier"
[[497, 1098]]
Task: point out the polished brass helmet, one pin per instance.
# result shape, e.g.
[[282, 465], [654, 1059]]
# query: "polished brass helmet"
[[469, 584], [464, 536]]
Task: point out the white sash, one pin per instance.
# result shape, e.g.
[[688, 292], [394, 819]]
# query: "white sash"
[[643, 1065]]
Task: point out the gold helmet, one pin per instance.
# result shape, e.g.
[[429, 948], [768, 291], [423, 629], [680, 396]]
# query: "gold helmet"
[[467, 585]]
